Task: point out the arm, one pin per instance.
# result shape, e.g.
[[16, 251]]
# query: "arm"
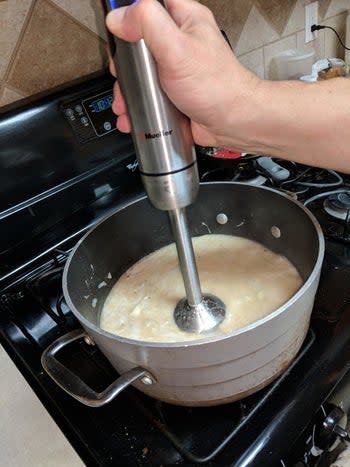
[[307, 123], [227, 104]]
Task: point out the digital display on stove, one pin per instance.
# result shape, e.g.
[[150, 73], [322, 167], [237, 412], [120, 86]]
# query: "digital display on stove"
[[91, 117], [102, 104], [99, 114]]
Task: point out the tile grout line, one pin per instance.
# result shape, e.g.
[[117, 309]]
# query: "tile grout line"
[[264, 61], [325, 9], [268, 44], [292, 35], [75, 20], [267, 18], [288, 35], [81, 25], [219, 14], [282, 37], [27, 24], [242, 26], [23, 31], [14, 89], [29, 15], [331, 18], [291, 14], [18, 43]]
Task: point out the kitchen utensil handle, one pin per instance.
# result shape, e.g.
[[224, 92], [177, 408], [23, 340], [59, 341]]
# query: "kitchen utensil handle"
[[161, 133], [73, 385]]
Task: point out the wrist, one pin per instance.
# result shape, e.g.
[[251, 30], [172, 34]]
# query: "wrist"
[[244, 112]]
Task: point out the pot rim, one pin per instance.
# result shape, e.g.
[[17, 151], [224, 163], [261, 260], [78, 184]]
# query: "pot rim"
[[205, 340]]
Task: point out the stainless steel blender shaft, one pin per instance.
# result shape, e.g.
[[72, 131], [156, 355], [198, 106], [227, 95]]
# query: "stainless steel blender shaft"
[[178, 221]]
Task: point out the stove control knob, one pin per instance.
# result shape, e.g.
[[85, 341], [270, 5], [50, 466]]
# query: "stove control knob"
[[275, 171], [331, 424]]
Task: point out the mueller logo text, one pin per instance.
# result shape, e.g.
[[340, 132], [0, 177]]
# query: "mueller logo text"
[[160, 134]]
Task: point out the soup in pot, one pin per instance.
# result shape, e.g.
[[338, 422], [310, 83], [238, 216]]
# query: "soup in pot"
[[249, 278]]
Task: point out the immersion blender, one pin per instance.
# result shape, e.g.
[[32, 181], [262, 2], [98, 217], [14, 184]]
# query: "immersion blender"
[[167, 161]]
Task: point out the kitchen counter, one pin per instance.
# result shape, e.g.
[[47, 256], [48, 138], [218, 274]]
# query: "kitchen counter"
[[28, 435]]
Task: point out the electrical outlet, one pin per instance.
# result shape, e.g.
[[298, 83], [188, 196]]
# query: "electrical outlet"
[[311, 17]]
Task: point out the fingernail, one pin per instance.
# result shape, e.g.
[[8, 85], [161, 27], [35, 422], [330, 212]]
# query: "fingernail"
[[115, 18]]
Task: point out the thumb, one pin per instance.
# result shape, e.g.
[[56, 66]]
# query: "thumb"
[[148, 20]]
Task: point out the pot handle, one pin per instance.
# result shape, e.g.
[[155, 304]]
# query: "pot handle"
[[76, 387]]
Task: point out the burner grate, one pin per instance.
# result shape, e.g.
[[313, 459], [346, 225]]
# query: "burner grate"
[[34, 287], [197, 434], [209, 430], [43, 287], [36, 303], [298, 180]]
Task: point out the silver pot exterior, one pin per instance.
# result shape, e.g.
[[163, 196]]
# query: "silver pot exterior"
[[214, 370]]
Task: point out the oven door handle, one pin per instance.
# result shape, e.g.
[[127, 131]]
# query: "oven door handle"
[[76, 387]]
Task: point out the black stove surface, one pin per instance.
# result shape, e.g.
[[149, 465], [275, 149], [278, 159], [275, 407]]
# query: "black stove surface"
[[137, 430], [271, 427]]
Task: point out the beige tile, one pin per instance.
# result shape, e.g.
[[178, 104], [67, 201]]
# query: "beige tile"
[[296, 20], [323, 7], [256, 32], [54, 50], [317, 45], [8, 96], [12, 16], [270, 51], [29, 436], [347, 52], [230, 15], [332, 46], [254, 61], [87, 12], [336, 7], [276, 12]]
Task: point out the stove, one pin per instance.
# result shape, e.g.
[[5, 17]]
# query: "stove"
[[64, 168]]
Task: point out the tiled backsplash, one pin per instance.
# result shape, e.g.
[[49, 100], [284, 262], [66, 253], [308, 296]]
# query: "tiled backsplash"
[[44, 43]]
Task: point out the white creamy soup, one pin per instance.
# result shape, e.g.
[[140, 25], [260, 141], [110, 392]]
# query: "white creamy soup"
[[250, 279]]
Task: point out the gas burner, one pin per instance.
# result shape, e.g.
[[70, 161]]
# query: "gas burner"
[[338, 205], [259, 180], [243, 172]]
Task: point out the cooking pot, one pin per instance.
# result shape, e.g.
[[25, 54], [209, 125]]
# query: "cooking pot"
[[213, 370]]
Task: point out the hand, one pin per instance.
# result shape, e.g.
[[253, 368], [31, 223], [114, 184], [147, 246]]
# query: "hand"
[[196, 67]]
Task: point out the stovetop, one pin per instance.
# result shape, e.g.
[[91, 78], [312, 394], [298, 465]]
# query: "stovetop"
[[142, 431], [40, 225]]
